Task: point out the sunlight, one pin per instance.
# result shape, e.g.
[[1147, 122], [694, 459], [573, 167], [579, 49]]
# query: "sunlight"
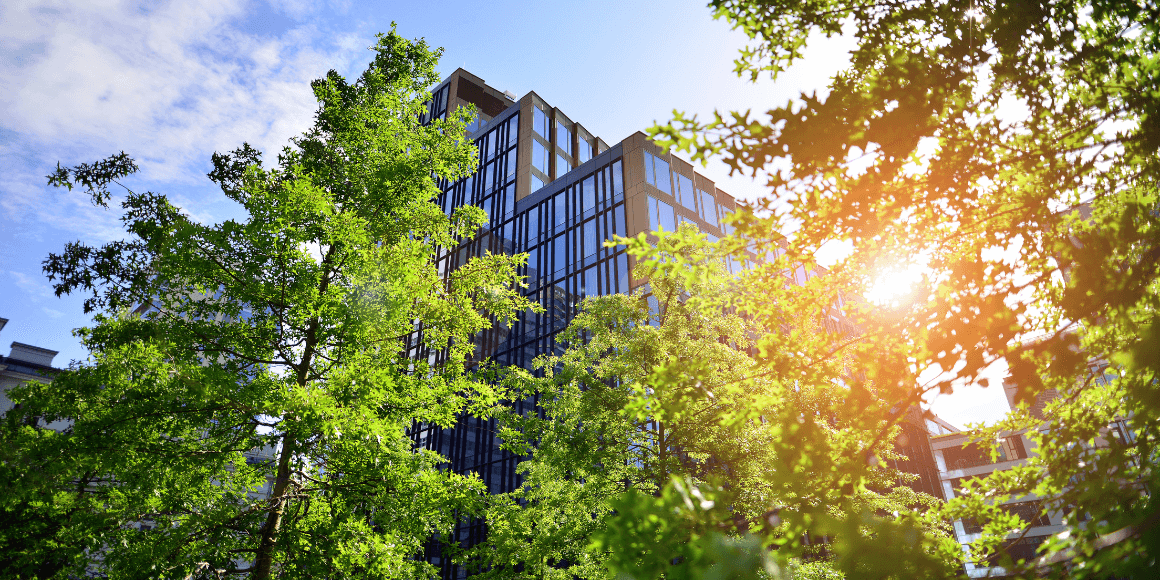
[[893, 285]]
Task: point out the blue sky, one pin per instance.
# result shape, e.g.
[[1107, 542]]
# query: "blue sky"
[[172, 82]]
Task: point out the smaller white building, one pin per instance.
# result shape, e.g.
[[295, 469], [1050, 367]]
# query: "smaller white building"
[[24, 363]]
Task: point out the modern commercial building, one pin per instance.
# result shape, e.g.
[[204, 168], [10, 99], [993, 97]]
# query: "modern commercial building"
[[556, 191]]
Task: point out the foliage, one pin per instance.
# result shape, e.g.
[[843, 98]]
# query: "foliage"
[[667, 447], [1010, 150], [254, 412]]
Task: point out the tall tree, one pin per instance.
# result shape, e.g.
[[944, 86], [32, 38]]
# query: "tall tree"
[[664, 405], [1011, 150], [287, 333]]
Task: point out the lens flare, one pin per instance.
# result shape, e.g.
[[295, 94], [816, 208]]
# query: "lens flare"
[[893, 286]]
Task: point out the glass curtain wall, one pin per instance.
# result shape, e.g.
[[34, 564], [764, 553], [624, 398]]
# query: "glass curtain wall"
[[563, 231]]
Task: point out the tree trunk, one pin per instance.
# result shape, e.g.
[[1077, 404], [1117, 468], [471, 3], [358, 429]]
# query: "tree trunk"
[[264, 557]]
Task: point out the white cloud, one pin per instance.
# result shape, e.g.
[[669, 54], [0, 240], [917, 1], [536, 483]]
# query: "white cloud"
[[167, 83], [35, 287], [52, 313]]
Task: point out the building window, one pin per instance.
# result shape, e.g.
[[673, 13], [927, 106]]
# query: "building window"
[[583, 151], [537, 183], [562, 166], [656, 173], [661, 215], [723, 211], [563, 136], [591, 239], [685, 192], [617, 179], [709, 208], [540, 122], [539, 157], [588, 194]]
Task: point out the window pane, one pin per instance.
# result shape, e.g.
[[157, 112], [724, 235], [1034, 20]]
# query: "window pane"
[[688, 196], [618, 220], [589, 187], [513, 129], [539, 156], [648, 168], [533, 265], [617, 179], [537, 183], [533, 225], [664, 218], [509, 197], [540, 122], [583, 151], [563, 136], [724, 212], [621, 273], [591, 282], [708, 207], [511, 166], [561, 209], [591, 241], [562, 166], [662, 175], [560, 252]]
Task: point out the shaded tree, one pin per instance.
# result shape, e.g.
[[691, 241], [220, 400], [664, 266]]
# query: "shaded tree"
[[285, 333]]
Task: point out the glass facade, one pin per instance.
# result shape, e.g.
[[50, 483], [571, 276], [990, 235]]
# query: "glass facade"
[[562, 227], [562, 223], [656, 173]]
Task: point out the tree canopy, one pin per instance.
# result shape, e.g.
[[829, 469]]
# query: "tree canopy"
[[682, 432], [1010, 151], [251, 420]]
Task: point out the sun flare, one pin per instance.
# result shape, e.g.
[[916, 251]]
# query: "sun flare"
[[893, 285]]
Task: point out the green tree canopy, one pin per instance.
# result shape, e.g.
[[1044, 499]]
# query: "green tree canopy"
[[680, 432], [1010, 149], [281, 337]]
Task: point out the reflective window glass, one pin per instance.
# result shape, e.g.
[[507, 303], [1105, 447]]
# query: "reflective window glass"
[[562, 166], [533, 225], [563, 136], [617, 179], [661, 215], [708, 207], [583, 151], [648, 169], [591, 282], [561, 217], [560, 253], [540, 122], [685, 192], [513, 129], [589, 193], [539, 156], [622, 280], [509, 203], [662, 180], [591, 240], [725, 212], [511, 165], [618, 220], [537, 183]]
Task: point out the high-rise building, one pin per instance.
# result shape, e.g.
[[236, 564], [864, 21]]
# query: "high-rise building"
[[557, 192]]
